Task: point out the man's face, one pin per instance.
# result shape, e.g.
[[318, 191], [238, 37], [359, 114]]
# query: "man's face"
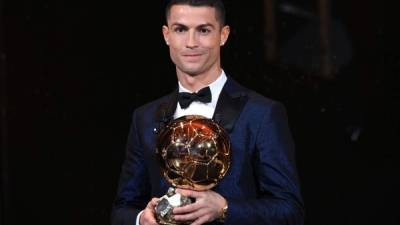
[[194, 37]]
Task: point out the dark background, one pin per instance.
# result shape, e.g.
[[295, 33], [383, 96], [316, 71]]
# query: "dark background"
[[72, 72]]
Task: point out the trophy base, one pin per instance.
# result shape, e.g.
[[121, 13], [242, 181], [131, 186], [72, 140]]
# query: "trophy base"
[[167, 223], [166, 205]]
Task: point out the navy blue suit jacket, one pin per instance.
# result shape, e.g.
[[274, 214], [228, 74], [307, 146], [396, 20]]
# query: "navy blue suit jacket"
[[261, 185]]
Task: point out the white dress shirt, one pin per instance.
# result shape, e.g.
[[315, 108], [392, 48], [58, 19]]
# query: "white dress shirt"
[[199, 108]]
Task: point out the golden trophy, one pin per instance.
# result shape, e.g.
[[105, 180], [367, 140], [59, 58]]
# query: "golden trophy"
[[194, 152]]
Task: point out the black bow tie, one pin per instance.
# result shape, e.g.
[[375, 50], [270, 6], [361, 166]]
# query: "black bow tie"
[[186, 98]]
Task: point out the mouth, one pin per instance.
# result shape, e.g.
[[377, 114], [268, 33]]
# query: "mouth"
[[192, 56]]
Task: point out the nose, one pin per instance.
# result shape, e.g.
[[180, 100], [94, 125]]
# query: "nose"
[[192, 41]]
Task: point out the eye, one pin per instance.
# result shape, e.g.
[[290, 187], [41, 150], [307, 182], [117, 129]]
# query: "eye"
[[179, 29], [204, 30]]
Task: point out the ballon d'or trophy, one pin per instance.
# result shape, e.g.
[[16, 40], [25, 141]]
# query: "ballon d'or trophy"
[[195, 154]]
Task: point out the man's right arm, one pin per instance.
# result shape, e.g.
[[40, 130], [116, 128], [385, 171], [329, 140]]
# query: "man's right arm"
[[134, 187]]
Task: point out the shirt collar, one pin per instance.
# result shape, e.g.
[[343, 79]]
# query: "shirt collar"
[[215, 87]]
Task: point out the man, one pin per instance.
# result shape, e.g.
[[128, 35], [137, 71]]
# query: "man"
[[261, 186]]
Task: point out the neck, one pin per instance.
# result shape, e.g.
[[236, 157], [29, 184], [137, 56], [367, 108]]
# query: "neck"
[[196, 82]]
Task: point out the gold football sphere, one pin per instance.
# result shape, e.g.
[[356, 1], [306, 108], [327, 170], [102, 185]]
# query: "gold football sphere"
[[194, 152]]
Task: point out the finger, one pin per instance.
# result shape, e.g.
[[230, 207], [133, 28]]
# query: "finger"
[[189, 193], [187, 208], [201, 220], [190, 216], [153, 202]]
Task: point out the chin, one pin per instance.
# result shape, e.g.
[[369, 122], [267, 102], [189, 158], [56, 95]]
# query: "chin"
[[192, 71]]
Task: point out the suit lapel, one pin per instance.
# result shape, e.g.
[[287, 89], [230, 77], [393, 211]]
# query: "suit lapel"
[[230, 103], [165, 110]]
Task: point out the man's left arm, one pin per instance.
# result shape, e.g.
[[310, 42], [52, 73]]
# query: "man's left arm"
[[280, 199]]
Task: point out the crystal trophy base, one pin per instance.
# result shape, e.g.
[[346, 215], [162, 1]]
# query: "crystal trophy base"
[[167, 203]]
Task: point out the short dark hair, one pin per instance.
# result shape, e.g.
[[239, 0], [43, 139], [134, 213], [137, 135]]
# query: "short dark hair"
[[217, 4]]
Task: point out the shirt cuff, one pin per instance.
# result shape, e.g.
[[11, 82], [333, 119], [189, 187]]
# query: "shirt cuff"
[[138, 217]]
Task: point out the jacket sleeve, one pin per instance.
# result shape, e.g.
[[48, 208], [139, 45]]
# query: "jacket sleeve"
[[134, 188], [279, 201]]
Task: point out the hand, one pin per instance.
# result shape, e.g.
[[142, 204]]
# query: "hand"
[[206, 208], [147, 217]]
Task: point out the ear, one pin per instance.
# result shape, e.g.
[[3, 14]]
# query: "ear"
[[225, 34], [165, 31]]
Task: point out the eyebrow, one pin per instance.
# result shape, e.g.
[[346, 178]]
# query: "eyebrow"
[[199, 26]]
